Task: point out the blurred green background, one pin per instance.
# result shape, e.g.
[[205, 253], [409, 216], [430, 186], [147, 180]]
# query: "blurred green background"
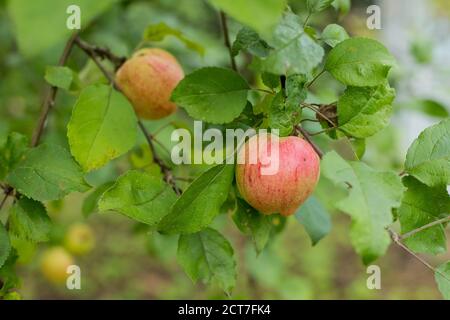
[[128, 262]]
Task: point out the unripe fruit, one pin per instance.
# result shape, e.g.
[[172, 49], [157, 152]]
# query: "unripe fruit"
[[79, 239], [54, 264], [298, 170], [148, 79]]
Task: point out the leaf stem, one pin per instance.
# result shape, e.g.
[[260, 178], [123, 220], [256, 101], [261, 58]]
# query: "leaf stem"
[[315, 78], [223, 21]]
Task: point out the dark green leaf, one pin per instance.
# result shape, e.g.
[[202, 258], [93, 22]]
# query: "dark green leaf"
[[318, 5], [253, 223], [47, 172], [360, 62], [11, 152], [315, 218], [200, 203], [139, 196], [90, 204], [249, 40], [208, 255], [28, 220], [5, 245], [294, 50], [422, 205], [372, 195], [212, 94], [363, 111], [428, 158]]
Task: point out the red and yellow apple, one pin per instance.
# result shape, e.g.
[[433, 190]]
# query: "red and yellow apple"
[[285, 189], [147, 79]]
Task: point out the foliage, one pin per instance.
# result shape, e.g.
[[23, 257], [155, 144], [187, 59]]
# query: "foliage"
[[95, 142]]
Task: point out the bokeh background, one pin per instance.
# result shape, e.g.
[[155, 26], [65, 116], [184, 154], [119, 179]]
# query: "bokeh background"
[[128, 262]]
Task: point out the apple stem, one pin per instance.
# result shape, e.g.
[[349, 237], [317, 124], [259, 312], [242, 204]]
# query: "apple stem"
[[307, 137]]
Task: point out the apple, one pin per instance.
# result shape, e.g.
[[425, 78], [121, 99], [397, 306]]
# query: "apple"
[[147, 79], [79, 239], [284, 190], [54, 264]]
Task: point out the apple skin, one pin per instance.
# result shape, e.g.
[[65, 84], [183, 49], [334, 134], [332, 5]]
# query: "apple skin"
[[54, 264], [79, 239], [283, 192], [147, 79]]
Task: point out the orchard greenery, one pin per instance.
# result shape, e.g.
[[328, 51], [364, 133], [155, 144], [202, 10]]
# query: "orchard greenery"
[[287, 57]]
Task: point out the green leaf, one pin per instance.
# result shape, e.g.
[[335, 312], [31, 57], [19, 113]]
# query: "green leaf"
[[422, 205], [60, 77], [200, 203], [429, 107], [5, 245], [90, 204], [249, 40], [139, 196], [428, 158], [251, 222], [208, 255], [360, 62], [363, 111], [282, 116], [11, 152], [102, 126], [212, 94], [294, 50], [47, 172], [371, 197], [270, 80], [157, 32], [343, 6], [37, 30], [28, 220], [442, 277], [259, 15], [295, 91], [334, 34], [318, 5], [315, 218], [7, 268]]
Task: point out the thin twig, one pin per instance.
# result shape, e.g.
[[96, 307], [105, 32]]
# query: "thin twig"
[[49, 101], [168, 177], [397, 240], [307, 137], [322, 131], [429, 225], [88, 49], [319, 113], [223, 20]]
